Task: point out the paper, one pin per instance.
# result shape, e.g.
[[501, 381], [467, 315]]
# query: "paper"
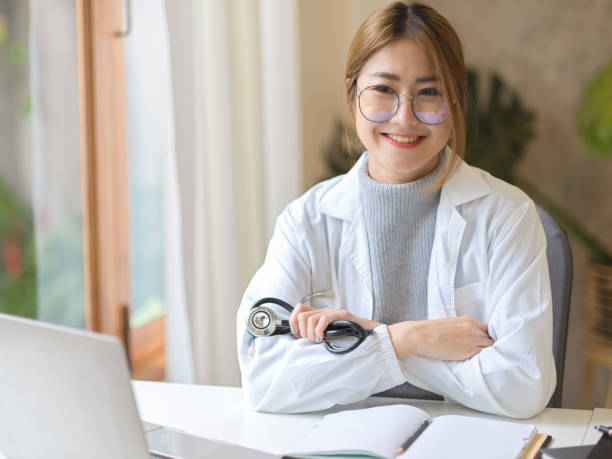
[[463, 437], [377, 431]]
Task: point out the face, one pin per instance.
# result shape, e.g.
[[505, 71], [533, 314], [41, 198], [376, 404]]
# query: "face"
[[402, 149]]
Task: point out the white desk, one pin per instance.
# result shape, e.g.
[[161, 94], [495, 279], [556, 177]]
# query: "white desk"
[[220, 413]]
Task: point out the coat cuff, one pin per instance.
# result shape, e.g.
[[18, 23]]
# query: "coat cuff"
[[392, 364]]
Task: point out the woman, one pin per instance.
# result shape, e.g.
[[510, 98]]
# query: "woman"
[[445, 263]]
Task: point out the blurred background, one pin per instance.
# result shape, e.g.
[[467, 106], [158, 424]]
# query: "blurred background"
[[147, 146]]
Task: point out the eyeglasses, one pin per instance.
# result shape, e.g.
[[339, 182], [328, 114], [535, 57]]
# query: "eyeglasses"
[[379, 104]]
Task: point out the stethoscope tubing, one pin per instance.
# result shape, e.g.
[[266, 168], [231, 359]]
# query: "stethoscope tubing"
[[337, 329], [273, 300]]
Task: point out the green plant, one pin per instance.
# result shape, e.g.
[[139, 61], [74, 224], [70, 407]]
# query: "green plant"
[[594, 118], [499, 129], [18, 275], [18, 257], [342, 150], [15, 54]]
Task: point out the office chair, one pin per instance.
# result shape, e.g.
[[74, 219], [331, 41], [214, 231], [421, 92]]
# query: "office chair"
[[560, 264]]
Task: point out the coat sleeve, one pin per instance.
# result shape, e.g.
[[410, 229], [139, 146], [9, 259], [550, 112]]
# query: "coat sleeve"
[[516, 375], [284, 374]]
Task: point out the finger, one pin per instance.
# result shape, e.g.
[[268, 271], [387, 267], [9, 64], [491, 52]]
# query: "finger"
[[479, 333], [311, 322], [301, 327], [482, 326], [303, 321], [331, 315], [293, 319], [324, 321], [483, 344], [478, 329]]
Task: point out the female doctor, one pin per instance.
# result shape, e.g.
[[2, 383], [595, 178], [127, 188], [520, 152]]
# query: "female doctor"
[[443, 262]]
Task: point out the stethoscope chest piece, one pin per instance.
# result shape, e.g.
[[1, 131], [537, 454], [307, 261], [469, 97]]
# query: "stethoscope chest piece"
[[262, 321]]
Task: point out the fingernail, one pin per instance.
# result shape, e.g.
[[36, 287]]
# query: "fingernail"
[[292, 330], [318, 340]]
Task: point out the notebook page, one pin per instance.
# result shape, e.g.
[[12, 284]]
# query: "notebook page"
[[463, 437], [376, 431]]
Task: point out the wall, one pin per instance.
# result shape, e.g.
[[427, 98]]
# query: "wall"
[[547, 50], [325, 35]]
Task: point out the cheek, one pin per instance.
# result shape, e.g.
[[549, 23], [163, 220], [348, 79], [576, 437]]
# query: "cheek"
[[443, 134], [364, 130]]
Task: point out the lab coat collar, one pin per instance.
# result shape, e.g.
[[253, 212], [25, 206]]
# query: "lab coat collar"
[[343, 200]]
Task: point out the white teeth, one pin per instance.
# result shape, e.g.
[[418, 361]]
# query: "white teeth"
[[398, 138]]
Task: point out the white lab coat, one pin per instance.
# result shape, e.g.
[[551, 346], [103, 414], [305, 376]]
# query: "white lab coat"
[[488, 261]]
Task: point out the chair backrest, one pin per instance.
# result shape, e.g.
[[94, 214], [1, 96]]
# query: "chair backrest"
[[560, 266]]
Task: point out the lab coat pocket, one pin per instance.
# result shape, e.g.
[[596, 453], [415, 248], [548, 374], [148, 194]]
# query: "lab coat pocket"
[[470, 300]]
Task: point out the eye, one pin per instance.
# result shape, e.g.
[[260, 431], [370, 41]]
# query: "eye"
[[382, 89], [430, 92]]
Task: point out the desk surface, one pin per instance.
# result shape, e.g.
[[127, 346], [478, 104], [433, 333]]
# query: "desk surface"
[[220, 413]]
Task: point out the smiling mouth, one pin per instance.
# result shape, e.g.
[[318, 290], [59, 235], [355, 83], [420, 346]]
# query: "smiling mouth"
[[404, 141]]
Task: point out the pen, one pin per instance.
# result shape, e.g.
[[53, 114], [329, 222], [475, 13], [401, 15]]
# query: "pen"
[[544, 444], [413, 437], [605, 430]]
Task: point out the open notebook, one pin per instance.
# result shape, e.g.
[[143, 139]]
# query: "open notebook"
[[379, 431]]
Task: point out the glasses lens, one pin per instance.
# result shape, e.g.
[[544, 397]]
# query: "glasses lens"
[[430, 106], [378, 103]]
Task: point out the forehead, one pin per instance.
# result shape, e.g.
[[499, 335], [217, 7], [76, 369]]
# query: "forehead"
[[405, 58]]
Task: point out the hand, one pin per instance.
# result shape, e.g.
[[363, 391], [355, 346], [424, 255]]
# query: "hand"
[[311, 323], [452, 338]]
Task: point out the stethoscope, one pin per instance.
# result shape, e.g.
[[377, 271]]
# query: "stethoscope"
[[262, 321]]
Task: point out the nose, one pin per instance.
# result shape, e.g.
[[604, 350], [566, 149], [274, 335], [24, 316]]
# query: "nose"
[[404, 113]]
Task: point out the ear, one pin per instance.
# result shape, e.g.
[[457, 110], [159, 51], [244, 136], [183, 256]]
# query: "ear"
[[351, 101], [451, 139], [347, 84]]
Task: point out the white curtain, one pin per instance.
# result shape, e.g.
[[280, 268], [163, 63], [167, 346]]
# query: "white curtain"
[[281, 105], [216, 266], [56, 161], [223, 128], [155, 210], [239, 148]]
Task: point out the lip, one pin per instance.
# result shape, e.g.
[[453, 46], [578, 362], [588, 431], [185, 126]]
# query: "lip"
[[403, 144]]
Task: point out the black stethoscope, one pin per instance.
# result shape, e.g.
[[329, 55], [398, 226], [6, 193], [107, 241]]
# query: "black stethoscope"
[[262, 321]]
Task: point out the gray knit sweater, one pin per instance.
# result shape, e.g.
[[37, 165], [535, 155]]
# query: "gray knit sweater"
[[400, 223]]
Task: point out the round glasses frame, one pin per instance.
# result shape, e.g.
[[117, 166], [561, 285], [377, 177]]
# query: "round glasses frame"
[[397, 104]]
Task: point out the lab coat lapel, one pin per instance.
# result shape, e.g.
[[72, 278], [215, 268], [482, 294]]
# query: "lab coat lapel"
[[464, 185], [343, 201], [450, 227], [358, 251]]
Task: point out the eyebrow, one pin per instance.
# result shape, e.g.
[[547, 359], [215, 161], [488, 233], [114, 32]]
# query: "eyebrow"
[[427, 79], [394, 77]]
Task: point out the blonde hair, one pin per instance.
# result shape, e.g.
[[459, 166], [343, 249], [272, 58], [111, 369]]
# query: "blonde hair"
[[426, 26]]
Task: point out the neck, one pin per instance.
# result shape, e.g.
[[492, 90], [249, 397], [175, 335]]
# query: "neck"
[[392, 177]]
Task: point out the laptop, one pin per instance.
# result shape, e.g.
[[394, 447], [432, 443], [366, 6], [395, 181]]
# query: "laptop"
[[66, 393]]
